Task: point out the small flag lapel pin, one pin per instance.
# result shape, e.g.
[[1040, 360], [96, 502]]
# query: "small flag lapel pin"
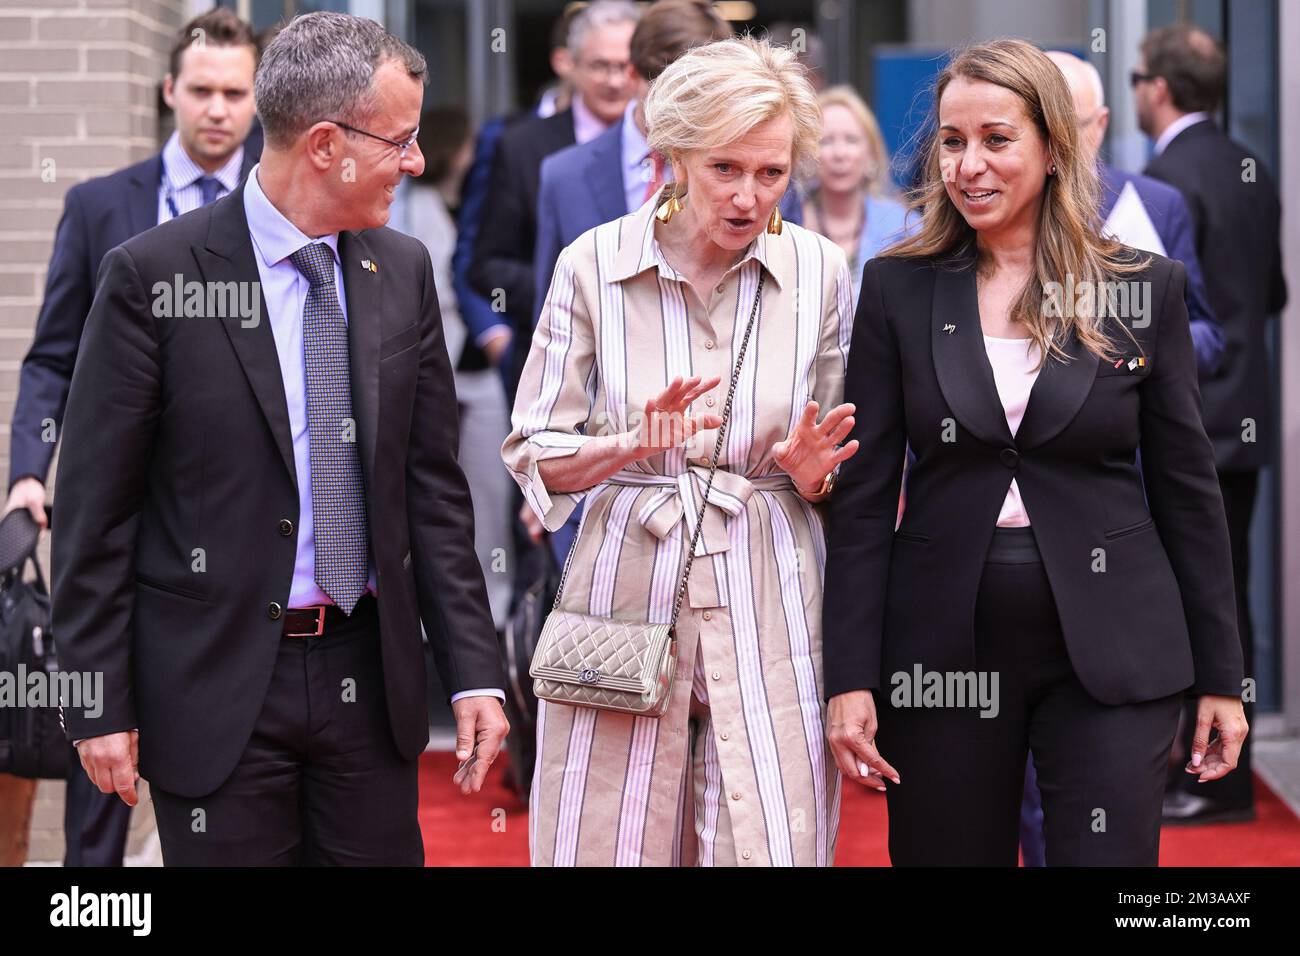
[[1136, 362], [369, 266]]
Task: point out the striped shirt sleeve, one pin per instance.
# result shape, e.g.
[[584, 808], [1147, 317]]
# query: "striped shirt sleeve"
[[553, 404], [836, 333]]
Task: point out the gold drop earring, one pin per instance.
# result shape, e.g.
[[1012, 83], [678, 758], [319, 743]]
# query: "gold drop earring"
[[669, 207], [774, 222]]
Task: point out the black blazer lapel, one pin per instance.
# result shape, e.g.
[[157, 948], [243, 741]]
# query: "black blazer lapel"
[[142, 196], [364, 291], [1058, 393], [228, 257], [960, 361]]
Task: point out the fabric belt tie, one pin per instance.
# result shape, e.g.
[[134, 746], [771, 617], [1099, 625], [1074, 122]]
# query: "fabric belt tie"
[[678, 502]]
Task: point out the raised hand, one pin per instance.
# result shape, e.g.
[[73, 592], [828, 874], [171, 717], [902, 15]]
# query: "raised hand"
[[664, 424], [811, 451]]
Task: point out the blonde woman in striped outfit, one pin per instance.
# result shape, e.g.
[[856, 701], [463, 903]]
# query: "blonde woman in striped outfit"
[[619, 404]]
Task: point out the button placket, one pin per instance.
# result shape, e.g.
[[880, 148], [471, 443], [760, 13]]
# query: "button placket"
[[737, 776]]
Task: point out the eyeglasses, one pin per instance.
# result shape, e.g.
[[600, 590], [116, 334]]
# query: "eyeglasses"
[[604, 67], [1137, 76], [402, 148]]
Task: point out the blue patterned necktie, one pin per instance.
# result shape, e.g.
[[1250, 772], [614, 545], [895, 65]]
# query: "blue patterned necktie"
[[209, 186], [337, 487]]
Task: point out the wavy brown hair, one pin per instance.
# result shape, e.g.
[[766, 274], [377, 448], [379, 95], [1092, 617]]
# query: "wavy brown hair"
[[1070, 242]]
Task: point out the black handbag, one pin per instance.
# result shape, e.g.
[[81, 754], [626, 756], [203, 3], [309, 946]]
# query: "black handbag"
[[536, 587], [32, 742]]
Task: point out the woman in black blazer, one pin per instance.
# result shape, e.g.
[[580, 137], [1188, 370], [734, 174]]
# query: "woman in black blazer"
[[1061, 576]]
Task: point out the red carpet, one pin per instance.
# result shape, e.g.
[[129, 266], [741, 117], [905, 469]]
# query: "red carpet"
[[491, 828]]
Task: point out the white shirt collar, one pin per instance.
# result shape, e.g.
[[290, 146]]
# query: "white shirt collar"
[[1176, 127]]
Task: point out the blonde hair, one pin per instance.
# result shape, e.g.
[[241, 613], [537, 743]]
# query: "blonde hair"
[[716, 93], [881, 183], [1069, 239]]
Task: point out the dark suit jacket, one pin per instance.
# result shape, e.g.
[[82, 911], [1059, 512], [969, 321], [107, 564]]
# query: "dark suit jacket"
[[1159, 619], [503, 249], [177, 437], [97, 215], [1168, 213], [475, 311], [1236, 225]]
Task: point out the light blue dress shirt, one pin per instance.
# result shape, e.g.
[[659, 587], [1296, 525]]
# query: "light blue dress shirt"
[[285, 289], [638, 169]]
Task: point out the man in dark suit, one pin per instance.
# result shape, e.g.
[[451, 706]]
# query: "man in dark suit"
[[260, 497], [1236, 219], [502, 266], [209, 88], [1158, 222], [489, 335]]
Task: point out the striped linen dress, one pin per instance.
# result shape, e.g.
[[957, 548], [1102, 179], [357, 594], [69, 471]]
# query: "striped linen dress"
[[737, 771]]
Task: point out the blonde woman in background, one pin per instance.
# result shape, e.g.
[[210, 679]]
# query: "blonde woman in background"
[[852, 205], [619, 404]]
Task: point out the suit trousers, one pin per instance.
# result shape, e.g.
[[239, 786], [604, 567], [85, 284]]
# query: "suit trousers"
[[1100, 768], [484, 425], [95, 823], [321, 781], [1235, 791]]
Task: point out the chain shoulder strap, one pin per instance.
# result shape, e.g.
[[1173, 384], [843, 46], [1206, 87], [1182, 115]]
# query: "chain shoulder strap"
[[713, 467]]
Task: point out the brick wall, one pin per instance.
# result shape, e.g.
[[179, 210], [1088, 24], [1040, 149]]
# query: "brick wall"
[[78, 98]]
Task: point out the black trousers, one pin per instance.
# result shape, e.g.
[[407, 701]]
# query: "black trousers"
[[1101, 769], [321, 782], [1236, 789], [95, 824]]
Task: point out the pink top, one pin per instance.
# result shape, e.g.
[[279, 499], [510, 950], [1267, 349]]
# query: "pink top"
[[1015, 369]]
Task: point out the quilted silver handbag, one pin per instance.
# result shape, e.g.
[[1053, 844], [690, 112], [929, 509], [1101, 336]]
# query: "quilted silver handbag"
[[626, 666]]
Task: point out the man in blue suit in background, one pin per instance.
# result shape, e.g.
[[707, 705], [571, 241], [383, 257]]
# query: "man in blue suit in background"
[[592, 183], [1164, 224], [209, 87]]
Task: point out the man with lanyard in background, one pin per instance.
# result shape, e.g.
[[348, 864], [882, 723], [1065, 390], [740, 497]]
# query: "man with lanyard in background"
[[209, 88]]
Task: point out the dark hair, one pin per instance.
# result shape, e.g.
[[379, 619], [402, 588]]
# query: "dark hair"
[[1192, 64], [220, 26], [444, 130], [670, 28]]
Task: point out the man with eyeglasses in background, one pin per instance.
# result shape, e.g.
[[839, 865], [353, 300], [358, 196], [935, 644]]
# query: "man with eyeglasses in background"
[[502, 265], [209, 88]]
